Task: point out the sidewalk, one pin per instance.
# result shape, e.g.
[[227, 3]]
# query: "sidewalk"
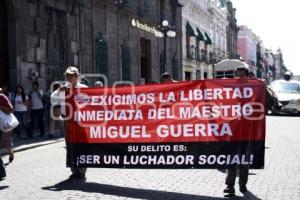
[[22, 144]]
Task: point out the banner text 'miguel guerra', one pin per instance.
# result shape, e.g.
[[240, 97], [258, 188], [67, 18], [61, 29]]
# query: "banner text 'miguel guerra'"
[[163, 131]]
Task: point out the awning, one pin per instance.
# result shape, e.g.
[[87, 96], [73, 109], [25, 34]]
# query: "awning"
[[208, 40], [200, 35], [190, 30]]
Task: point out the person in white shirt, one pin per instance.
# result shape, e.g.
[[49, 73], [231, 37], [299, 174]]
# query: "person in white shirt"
[[57, 98], [37, 109], [56, 119], [20, 101]]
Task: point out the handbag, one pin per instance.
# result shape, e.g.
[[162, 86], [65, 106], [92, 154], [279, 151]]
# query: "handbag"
[[8, 122]]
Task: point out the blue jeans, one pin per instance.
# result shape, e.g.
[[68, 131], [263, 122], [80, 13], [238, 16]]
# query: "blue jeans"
[[20, 116], [2, 169], [37, 115]]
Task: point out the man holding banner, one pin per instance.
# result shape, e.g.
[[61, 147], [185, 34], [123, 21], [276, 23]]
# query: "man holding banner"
[[241, 73], [209, 124], [58, 97]]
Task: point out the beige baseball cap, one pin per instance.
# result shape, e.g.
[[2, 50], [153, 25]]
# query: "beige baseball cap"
[[99, 84], [71, 70]]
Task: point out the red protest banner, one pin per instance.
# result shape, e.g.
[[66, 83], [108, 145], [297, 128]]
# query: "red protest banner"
[[207, 115]]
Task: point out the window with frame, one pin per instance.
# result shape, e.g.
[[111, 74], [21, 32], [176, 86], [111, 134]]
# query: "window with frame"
[[198, 74]]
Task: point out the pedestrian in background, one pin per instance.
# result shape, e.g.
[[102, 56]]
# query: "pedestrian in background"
[[47, 107], [167, 78], [7, 92], [6, 140], [20, 103], [73, 81], [287, 76], [6, 107], [37, 109], [56, 119]]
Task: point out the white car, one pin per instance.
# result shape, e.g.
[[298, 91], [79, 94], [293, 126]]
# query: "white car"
[[288, 93]]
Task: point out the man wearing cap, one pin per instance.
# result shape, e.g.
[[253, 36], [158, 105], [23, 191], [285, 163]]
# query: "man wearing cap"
[[98, 84], [57, 98], [231, 173]]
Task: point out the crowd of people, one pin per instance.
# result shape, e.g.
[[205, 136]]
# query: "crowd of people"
[[29, 109], [28, 106], [36, 102]]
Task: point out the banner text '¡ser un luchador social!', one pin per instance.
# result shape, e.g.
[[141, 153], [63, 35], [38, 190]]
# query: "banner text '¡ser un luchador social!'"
[[196, 124]]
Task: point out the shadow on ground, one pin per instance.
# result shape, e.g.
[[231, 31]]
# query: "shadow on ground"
[[224, 172], [283, 115], [4, 187], [132, 192]]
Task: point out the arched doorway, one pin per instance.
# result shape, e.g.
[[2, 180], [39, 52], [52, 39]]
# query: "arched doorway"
[[4, 68]]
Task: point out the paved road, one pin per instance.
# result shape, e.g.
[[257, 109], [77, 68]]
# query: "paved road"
[[40, 173]]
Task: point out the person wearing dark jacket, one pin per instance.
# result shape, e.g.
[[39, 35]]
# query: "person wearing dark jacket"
[[231, 173]]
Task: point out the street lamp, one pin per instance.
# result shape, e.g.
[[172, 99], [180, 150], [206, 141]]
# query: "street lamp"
[[165, 30]]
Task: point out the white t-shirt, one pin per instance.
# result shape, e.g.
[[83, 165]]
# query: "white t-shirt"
[[58, 97], [19, 106], [36, 101]]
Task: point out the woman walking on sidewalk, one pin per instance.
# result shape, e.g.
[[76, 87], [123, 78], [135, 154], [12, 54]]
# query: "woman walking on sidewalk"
[[6, 107], [20, 106], [6, 140]]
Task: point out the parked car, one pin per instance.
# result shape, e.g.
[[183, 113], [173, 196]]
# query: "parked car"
[[288, 93], [272, 103]]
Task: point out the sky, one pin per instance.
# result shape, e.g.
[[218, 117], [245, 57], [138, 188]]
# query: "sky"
[[277, 23]]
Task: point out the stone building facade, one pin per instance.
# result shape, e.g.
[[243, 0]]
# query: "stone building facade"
[[113, 38], [232, 31]]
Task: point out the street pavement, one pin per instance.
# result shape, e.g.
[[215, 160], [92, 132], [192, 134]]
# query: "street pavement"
[[40, 173]]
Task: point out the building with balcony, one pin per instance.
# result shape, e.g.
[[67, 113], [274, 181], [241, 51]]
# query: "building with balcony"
[[232, 30], [260, 64], [274, 65], [203, 36], [246, 47], [219, 14]]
